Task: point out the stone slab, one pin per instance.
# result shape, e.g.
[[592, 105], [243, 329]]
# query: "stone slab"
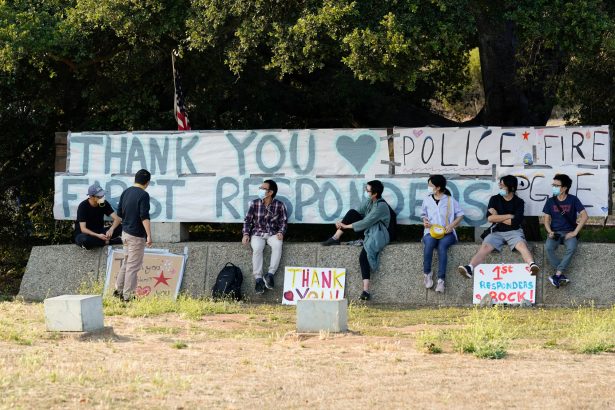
[[322, 315], [74, 313], [171, 232]]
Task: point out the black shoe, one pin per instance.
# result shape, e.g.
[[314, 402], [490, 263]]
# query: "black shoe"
[[555, 281], [129, 299], [259, 288], [269, 281], [330, 241], [117, 294], [563, 280], [365, 296], [465, 271], [534, 269]]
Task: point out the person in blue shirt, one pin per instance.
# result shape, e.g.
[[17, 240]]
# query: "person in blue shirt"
[[560, 221], [439, 208]]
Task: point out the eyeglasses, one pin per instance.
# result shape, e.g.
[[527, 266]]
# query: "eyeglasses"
[[556, 186], [265, 189]]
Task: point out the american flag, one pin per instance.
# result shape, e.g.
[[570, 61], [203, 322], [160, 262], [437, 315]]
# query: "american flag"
[[181, 116]]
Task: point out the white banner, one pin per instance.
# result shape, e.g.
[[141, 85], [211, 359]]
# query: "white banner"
[[313, 283], [505, 283]]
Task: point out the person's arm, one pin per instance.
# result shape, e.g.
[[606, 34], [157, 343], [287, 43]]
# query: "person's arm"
[[116, 222], [145, 218], [582, 221], [379, 210], [148, 230], [85, 230], [458, 213], [546, 220], [283, 221], [500, 218], [425, 213], [247, 224], [519, 212]]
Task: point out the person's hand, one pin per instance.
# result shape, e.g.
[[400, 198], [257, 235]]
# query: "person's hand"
[[280, 235], [426, 223], [570, 235], [551, 234], [338, 225], [344, 226], [148, 241], [492, 211], [507, 222], [109, 233], [245, 240], [101, 236], [448, 229]]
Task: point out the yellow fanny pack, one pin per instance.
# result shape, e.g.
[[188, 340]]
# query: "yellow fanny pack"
[[438, 231]]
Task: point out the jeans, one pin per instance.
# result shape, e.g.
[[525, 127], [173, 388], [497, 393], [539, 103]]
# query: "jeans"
[[442, 245], [258, 246], [134, 249], [571, 246]]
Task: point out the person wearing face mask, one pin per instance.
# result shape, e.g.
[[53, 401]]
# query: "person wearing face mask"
[[441, 214], [265, 223], [505, 212], [372, 220], [90, 231], [560, 220]]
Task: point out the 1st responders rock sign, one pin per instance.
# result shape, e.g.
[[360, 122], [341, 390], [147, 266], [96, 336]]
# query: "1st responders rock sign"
[[211, 176], [313, 283], [505, 283]]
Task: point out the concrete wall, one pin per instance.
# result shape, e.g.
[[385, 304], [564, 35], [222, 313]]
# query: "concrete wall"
[[61, 269]]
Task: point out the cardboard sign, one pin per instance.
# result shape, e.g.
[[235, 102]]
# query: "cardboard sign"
[[506, 283], [161, 274], [313, 283]]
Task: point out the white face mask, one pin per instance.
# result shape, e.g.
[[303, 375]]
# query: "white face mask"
[[431, 190], [101, 201], [262, 193], [367, 195]]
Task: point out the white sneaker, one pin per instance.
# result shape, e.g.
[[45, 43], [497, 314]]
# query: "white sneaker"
[[440, 286], [428, 280]]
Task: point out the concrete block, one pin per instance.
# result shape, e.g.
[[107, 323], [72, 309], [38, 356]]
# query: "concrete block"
[[171, 232], [74, 313], [325, 315]]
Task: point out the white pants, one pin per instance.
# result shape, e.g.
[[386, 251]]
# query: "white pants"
[[258, 246]]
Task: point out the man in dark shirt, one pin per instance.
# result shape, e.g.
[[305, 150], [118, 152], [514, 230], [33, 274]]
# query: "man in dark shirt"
[[505, 212], [134, 211], [560, 221], [90, 231]]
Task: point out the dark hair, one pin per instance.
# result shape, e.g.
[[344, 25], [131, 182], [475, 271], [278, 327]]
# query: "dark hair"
[[377, 187], [439, 182], [511, 182], [272, 186], [565, 180], [142, 176]]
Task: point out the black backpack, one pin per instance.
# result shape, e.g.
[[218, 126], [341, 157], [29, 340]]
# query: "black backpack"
[[228, 283], [392, 228]]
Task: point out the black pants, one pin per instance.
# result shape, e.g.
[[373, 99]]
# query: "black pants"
[[351, 217], [90, 242]]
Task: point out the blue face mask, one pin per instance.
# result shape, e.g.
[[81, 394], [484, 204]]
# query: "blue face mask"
[[503, 192], [555, 190], [262, 193], [367, 195]]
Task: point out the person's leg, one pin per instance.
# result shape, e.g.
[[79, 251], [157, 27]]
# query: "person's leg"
[[430, 243], [276, 253], [258, 245], [88, 242], [571, 247], [134, 263], [523, 249], [119, 281], [350, 217], [443, 245], [480, 256], [116, 239], [365, 273], [550, 246]]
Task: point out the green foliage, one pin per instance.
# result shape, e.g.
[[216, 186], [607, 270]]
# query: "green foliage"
[[485, 333]]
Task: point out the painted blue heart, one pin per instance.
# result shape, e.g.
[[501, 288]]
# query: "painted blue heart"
[[357, 152]]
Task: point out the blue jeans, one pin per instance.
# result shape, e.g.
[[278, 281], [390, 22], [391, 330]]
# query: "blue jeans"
[[442, 245], [551, 245]]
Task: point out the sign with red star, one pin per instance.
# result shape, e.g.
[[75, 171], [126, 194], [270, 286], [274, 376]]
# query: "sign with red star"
[[526, 135], [161, 279]]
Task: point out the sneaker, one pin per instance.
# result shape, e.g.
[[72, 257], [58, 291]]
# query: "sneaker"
[[365, 296], [428, 280], [358, 242], [554, 279], [440, 286], [563, 280], [330, 241], [534, 268], [465, 271], [118, 294], [130, 299], [269, 281], [259, 288], [83, 247]]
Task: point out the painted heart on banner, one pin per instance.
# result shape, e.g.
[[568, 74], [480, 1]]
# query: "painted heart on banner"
[[417, 133], [357, 152]]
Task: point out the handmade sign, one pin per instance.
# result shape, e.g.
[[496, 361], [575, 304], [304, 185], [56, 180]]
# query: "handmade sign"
[[161, 274], [505, 283], [313, 283]]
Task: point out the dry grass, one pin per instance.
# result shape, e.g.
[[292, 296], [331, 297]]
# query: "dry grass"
[[201, 354]]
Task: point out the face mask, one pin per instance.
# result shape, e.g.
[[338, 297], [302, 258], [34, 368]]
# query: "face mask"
[[262, 193], [555, 190], [101, 202], [503, 192], [367, 195], [431, 190]]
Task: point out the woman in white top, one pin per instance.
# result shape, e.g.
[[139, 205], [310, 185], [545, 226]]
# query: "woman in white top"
[[441, 213]]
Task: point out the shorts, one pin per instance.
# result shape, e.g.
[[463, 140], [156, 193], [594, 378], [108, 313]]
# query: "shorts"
[[499, 239]]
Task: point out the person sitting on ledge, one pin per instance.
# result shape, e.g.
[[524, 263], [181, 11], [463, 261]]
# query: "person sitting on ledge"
[[372, 219], [265, 223], [560, 221], [505, 212], [90, 231]]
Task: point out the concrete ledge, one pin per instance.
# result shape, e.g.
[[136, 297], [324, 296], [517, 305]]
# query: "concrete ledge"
[[62, 269]]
